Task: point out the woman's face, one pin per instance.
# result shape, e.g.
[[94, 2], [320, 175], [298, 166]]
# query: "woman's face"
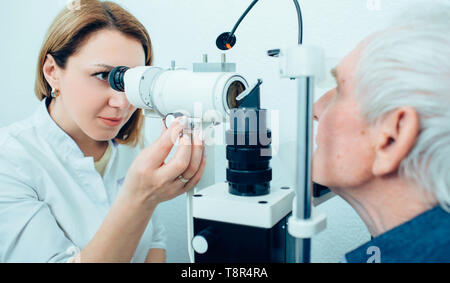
[[88, 101]]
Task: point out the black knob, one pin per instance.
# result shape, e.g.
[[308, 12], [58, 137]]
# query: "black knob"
[[202, 242], [225, 41]]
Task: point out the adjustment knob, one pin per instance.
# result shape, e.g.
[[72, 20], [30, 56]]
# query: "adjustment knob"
[[200, 244], [203, 240]]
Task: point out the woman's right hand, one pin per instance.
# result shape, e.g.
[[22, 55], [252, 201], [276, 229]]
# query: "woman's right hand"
[[151, 181]]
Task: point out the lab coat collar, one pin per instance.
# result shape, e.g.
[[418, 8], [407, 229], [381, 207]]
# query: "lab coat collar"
[[60, 141]]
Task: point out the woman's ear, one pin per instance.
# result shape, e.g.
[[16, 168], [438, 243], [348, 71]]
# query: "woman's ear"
[[394, 137], [51, 72]]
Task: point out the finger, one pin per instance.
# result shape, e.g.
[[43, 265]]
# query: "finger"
[[180, 161], [171, 134], [164, 144], [196, 156], [197, 177]]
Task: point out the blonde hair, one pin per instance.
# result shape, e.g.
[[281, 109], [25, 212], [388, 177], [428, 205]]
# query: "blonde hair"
[[70, 29]]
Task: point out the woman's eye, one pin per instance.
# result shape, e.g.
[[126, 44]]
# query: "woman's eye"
[[102, 76]]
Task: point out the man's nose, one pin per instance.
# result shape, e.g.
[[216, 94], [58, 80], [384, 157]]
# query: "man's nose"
[[321, 104]]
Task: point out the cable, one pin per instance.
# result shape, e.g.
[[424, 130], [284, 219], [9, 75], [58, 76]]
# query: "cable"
[[300, 22], [241, 18], [299, 19]]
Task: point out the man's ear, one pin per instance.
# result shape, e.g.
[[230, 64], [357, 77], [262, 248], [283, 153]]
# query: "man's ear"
[[394, 137], [51, 71]]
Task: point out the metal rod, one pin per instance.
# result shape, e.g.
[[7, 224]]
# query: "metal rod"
[[304, 161]]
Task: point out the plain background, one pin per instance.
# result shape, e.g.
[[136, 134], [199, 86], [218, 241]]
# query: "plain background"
[[183, 30]]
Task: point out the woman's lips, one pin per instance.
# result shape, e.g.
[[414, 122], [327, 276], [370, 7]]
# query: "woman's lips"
[[112, 122]]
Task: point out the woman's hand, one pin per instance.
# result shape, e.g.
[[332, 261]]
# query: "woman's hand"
[[151, 181]]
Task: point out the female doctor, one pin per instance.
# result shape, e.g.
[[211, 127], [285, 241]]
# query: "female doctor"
[[75, 184]]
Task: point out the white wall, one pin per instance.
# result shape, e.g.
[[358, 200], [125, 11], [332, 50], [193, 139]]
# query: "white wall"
[[183, 30]]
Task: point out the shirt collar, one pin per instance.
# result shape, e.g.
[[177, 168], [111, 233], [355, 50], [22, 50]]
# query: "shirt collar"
[[411, 238]]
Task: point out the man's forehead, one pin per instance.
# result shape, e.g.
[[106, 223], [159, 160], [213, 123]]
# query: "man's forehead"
[[348, 65]]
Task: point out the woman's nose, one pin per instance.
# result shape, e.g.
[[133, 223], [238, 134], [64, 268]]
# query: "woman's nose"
[[118, 100]]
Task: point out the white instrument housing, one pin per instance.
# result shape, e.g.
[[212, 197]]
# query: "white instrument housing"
[[193, 93]]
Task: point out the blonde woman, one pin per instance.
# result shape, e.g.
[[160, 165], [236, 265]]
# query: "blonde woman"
[[76, 184]]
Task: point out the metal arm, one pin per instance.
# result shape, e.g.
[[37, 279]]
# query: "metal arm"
[[306, 65]]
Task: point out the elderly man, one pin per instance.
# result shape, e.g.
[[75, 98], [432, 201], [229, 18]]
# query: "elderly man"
[[384, 138]]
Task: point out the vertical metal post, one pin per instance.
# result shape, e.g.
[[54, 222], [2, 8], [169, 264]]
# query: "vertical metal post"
[[304, 161]]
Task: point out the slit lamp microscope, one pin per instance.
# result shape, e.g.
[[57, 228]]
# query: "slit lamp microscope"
[[245, 218]]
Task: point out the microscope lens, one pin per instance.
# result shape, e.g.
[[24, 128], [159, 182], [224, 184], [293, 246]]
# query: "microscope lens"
[[234, 90], [248, 153]]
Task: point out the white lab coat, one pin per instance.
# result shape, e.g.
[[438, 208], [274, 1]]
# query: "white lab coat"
[[52, 200]]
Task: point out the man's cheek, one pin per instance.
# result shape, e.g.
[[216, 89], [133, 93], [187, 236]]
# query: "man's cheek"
[[330, 130]]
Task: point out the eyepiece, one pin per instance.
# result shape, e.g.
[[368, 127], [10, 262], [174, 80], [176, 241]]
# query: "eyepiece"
[[115, 78]]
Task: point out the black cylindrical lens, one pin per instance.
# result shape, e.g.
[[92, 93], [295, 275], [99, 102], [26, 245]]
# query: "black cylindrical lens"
[[115, 78], [248, 153]]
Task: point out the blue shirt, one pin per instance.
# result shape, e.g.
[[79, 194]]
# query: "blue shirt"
[[424, 238]]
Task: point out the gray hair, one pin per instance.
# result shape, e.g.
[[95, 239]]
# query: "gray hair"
[[409, 65]]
